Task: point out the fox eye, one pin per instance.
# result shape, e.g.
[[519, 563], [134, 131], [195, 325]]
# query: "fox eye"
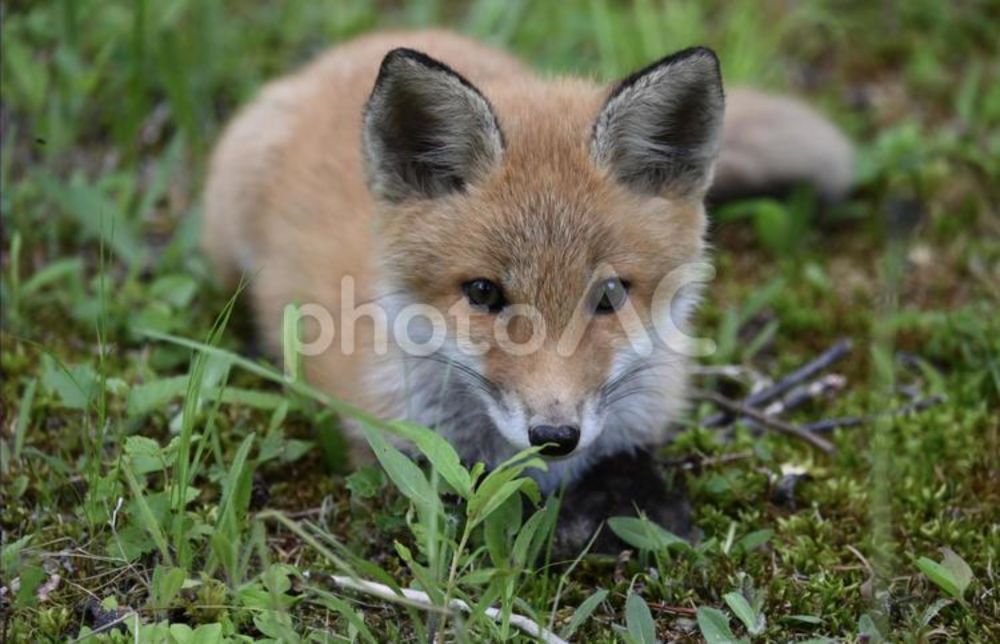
[[610, 295], [485, 294]]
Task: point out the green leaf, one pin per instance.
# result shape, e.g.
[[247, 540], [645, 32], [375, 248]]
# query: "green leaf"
[[365, 482], [546, 529], [236, 490], [145, 517], [525, 540], [714, 626], [583, 613], [941, 576], [506, 491], [812, 620], [753, 621], [638, 619], [641, 533], [439, 452], [277, 626], [403, 472], [181, 634], [869, 629], [130, 543], [74, 384], [752, 541], [346, 611], [500, 484], [500, 527], [167, 582], [208, 634], [774, 225], [424, 577], [152, 395], [249, 398], [9, 556], [24, 417], [276, 578], [154, 315], [929, 613], [31, 578], [177, 290], [225, 550], [960, 571], [27, 72], [952, 575], [98, 215], [479, 577], [145, 454]]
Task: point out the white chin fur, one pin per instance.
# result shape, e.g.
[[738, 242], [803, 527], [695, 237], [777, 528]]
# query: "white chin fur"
[[510, 421]]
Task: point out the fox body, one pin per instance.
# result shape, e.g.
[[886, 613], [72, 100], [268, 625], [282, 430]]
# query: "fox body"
[[547, 228]]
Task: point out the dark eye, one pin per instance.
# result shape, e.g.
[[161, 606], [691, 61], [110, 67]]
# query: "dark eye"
[[485, 294], [609, 295]]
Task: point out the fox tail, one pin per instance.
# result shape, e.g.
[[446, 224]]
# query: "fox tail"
[[772, 143]]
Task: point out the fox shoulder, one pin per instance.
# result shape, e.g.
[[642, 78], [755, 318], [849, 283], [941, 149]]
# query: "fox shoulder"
[[771, 143]]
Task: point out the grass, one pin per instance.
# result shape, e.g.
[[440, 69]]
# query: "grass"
[[154, 478]]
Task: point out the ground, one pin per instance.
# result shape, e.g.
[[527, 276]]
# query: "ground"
[[108, 110]]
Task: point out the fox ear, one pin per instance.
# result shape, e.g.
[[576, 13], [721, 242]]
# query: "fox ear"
[[659, 129], [427, 131]]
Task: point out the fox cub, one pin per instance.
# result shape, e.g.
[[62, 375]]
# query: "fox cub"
[[502, 257]]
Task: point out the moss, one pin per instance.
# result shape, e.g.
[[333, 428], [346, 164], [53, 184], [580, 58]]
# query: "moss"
[[128, 134]]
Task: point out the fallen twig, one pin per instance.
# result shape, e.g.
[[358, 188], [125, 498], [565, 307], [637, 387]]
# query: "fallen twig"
[[742, 409], [829, 424], [840, 349], [420, 599], [675, 610], [697, 462], [804, 393], [740, 373]]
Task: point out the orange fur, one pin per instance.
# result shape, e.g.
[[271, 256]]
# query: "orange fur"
[[287, 203]]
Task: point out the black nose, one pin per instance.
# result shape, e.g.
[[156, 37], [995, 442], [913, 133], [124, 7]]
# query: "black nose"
[[559, 441]]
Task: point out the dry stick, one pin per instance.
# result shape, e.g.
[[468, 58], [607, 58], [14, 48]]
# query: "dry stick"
[[840, 349], [800, 395], [830, 424], [695, 462], [734, 372], [741, 409], [822, 386], [422, 600]]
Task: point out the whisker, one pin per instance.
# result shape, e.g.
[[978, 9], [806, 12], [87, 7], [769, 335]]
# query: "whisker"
[[630, 374], [382, 296], [473, 377], [632, 391]]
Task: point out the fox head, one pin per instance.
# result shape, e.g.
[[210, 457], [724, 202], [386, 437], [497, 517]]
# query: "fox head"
[[551, 225]]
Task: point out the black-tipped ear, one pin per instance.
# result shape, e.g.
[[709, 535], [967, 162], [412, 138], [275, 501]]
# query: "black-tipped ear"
[[427, 131], [659, 129]]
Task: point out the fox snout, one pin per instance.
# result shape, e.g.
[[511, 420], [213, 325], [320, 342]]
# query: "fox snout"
[[555, 440], [555, 427], [547, 401], [560, 427]]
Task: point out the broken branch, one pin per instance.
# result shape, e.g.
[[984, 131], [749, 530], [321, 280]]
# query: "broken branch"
[[737, 408], [421, 599], [840, 349]]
